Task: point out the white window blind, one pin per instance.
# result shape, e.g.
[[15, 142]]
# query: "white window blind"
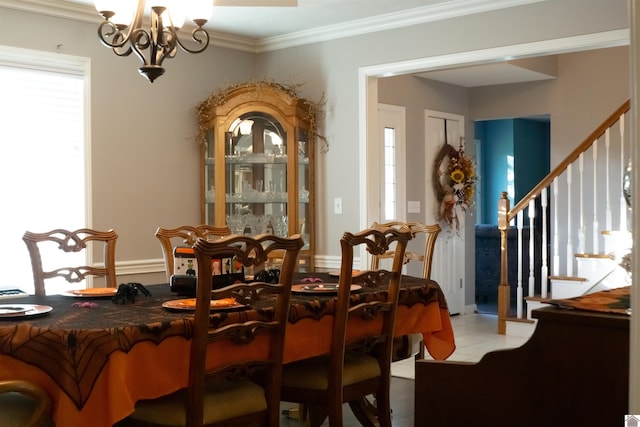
[[42, 158]]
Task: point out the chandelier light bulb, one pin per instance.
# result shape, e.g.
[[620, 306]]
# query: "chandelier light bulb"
[[120, 12], [199, 10]]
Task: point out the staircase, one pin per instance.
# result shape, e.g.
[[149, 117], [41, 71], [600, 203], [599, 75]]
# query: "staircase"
[[578, 228]]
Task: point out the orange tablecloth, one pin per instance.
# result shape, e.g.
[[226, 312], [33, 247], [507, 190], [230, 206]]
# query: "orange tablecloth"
[[97, 362]]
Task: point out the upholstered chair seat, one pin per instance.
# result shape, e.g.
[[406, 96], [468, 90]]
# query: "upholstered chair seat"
[[223, 400], [313, 373]]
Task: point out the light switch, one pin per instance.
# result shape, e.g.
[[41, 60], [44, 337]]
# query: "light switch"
[[337, 206], [413, 206]]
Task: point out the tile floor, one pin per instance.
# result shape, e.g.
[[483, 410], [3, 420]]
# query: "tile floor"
[[475, 335]]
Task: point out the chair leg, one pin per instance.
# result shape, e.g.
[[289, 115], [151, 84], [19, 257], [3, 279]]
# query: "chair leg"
[[365, 412], [383, 404], [312, 415], [420, 354]]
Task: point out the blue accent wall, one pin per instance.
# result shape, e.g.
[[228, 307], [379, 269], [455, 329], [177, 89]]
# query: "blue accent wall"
[[531, 152], [528, 142], [497, 144]]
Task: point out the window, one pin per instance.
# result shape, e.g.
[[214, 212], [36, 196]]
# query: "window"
[[392, 189], [511, 187], [390, 200], [43, 154]]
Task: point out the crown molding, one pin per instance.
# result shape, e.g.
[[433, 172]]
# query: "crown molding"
[[441, 11], [390, 21]]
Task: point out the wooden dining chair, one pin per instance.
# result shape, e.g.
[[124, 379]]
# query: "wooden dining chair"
[[185, 235], [431, 233], [354, 369], [71, 241], [24, 404], [247, 391]]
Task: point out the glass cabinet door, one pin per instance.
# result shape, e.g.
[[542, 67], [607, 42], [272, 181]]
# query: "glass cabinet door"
[[209, 179], [256, 175], [304, 185]]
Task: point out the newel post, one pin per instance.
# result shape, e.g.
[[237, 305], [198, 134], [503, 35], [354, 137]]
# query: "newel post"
[[503, 286]]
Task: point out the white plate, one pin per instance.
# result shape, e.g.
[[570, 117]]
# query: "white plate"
[[91, 293], [11, 309], [24, 311], [320, 288]]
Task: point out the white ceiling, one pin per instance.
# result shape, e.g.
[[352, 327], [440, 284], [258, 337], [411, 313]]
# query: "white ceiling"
[[261, 22], [486, 75], [326, 19]]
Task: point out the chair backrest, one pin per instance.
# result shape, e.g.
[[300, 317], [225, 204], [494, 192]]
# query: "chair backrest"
[[426, 256], [380, 315], [23, 403], [72, 241], [270, 330], [185, 235]]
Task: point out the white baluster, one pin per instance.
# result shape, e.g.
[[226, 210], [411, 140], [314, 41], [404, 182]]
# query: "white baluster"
[[607, 143], [519, 296], [556, 245], [544, 270], [532, 253], [595, 224], [623, 166], [581, 229], [569, 226]]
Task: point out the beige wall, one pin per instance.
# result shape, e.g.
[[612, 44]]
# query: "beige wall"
[[144, 168], [333, 67], [145, 164]]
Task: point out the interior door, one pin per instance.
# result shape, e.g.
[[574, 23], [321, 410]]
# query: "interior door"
[[449, 258]]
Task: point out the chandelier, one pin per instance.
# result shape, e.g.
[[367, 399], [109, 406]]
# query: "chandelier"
[[122, 29]]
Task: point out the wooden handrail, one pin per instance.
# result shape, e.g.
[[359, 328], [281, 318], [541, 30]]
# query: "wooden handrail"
[[572, 157]]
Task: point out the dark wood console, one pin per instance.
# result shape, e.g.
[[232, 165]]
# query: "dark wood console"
[[573, 371]]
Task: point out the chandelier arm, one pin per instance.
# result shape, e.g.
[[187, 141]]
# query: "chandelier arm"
[[119, 37], [198, 35], [169, 44], [140, 40]]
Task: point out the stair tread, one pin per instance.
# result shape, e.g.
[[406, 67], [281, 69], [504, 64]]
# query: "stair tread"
[[569, 278], [598, 256], [539, 298]]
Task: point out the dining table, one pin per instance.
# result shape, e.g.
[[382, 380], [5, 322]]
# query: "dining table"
[[96, 358]]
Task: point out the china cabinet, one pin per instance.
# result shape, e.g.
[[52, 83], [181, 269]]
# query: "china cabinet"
[[258, 163]]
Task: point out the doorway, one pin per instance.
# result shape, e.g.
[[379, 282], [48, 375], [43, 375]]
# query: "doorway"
[[515, 155]]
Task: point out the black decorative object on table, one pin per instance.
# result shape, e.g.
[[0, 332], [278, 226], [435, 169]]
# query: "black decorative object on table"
[[127, 293], [267, 276]]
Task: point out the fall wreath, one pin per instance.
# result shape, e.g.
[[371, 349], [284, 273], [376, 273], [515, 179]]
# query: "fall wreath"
[[454, 180]]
